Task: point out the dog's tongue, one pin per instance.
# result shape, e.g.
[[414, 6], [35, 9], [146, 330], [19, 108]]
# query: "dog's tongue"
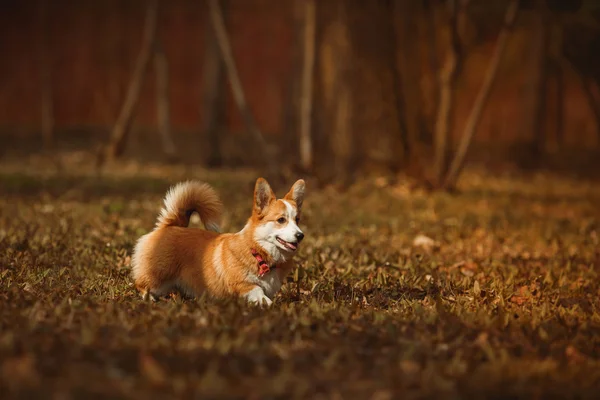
[[289, 245]]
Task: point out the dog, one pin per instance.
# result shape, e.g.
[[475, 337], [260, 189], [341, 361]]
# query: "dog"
[[252, 263]]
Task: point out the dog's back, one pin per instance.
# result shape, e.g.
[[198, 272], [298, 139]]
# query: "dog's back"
[[160, 255]]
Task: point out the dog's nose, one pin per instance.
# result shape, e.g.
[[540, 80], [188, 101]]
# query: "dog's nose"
[[299, 236]]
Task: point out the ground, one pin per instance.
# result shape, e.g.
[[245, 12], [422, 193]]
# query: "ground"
[[489, 292]]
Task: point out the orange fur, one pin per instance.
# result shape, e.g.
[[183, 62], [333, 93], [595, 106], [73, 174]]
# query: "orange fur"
[[191, 196], [195, 261]]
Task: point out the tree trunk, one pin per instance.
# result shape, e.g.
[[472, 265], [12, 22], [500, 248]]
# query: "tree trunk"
[[218, 25], [410, 76], [308, 66], [592, 103], [447, 82], [586, 85], [289, 142], [122, 127], [213, 94], [482, 97], [399, 101], [560, 105], [432, 53], [337, 102], [47, 106], [163, 111], [409, 71], [537, 101]]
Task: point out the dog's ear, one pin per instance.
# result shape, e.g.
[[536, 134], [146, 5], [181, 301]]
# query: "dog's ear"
[[263, 195], [296, 193]]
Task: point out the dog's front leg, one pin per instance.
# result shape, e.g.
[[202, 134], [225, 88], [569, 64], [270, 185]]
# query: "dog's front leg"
[[257, 295]]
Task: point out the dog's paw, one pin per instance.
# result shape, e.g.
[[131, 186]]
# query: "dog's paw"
[[147, 295], [265, 301], [257, 296]]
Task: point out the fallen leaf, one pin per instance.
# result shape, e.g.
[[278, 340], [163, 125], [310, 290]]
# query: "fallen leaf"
[[522, 296], [381, 181], [467, 272], [574, 355], [482, 339], [424, 242], [457, 265], [152, 370], [469, 268], [409, 367], [28, 288], [19, 371]]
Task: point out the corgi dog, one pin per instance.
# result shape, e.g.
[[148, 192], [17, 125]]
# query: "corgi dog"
[[252, 262]]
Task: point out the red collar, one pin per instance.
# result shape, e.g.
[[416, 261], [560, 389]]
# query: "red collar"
[[263, 267]]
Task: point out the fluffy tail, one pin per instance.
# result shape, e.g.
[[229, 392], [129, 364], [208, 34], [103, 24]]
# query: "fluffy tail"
[[185, 198]]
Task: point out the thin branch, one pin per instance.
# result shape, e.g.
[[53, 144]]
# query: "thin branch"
[[399, 101], [308, 66], [539, 80], [123, 125], [411, 96], [213, 94], [161, 68], [447, 83], [560, 103], [218, 24], [593, 104], [432, 42], [586, 86], [482, 97], [47, 108]]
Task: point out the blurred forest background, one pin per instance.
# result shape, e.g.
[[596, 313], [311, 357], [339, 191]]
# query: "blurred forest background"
[[418, 278], [330, 87]]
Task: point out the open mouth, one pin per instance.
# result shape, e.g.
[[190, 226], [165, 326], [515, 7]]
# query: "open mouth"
[[288, 245]]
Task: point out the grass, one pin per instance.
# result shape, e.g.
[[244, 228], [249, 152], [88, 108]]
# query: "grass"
[[504, 303]]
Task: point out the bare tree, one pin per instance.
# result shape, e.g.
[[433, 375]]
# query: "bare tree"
[[122, 126], [292, 89], [47, 106], [482, 97], [308, 66], [560, 103], [218, 25], [447, 83], [336, 69], [409, 71], [586, 86], [540, 74], [161, 68], [213, 92], [432, 53], [399, 101], [537, 94]]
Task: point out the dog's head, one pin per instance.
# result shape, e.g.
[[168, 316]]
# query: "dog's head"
[[276, 220]]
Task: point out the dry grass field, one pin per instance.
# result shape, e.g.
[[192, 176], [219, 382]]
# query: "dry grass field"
[[491, 292]]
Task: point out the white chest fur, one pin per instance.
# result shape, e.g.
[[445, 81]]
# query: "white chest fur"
[[270, 283]]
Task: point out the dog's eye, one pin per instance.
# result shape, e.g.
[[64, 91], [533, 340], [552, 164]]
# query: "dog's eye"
[[281, 220], [297, 220]]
